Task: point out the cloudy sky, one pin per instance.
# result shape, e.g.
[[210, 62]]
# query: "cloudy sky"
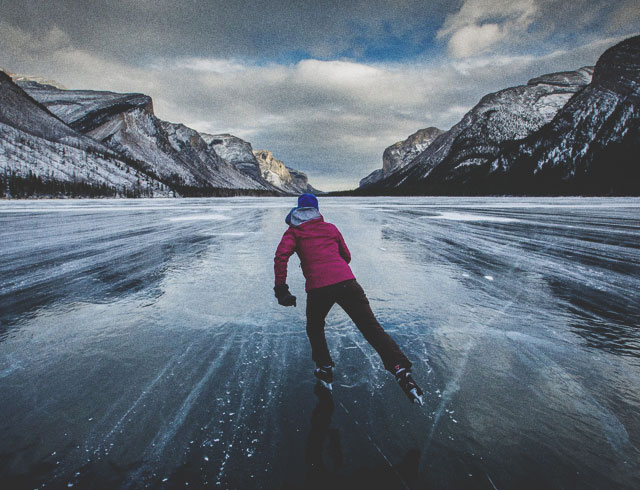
[[325, 85]]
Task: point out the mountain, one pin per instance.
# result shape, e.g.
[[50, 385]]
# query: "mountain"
[[400, 154], [300, 182], [500, 117], [83, 110], [564, 133], [376, 176], [156, 157], [16, 77], [126, 123], [281, 176], [38, 150], [592, 144], [260, 164], [236, 151]]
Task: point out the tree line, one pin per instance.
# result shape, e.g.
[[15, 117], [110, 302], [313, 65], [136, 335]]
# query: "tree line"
[[17, 186]]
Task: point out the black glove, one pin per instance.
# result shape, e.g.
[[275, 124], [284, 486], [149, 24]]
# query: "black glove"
[[285, 298]]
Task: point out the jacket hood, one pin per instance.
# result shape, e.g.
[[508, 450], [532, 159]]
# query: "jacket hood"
[[298, 216]]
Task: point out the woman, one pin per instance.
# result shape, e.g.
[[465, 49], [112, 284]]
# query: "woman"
[[324, 257]]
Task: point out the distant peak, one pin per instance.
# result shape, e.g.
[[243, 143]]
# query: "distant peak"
[[16, 77], [581, 76], [264, 154]]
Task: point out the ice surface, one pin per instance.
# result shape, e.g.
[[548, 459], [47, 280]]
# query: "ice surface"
[[471, 217], [199, 217], [141, 346]]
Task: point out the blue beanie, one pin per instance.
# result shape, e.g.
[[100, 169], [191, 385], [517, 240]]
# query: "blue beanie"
[[307, 201]]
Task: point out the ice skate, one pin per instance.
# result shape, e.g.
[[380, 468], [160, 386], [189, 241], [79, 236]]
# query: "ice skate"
[[409, 386], [324, 374]]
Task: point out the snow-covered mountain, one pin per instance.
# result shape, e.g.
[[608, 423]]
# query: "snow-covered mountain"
[[400, 154], [562, 133], [500, 117], [38, 150], [83, 110], [177, 158], [260, 164], [592, 146], [127, 124]]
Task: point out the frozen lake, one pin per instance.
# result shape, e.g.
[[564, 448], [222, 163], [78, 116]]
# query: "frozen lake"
[[141, 346]]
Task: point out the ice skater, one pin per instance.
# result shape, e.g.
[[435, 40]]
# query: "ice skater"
[[324, 258]]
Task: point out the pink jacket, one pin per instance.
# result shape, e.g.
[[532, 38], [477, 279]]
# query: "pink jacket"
[[322, 251]]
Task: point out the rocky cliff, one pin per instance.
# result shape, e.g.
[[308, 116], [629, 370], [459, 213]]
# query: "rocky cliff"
[[300, 182], [278, 174], [400, 154], [236, 151], [260, 164], [375, 176], [84, 110], [403, 152]]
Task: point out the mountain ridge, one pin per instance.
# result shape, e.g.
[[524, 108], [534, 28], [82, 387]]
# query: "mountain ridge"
[[564, 133], [123, 127]]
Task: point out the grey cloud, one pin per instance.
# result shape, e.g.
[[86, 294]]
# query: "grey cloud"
[[479, 24], [134, 30], [624, 13], [512, 26]]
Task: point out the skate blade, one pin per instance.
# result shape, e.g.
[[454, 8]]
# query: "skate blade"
[[416, 397], [326, 385]]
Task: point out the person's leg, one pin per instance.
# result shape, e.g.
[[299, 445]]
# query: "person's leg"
[[354, 302], [319, 302]]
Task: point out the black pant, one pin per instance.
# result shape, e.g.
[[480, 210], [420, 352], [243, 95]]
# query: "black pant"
[[350, 296]]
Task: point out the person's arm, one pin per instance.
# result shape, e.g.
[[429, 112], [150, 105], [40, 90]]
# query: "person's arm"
[[344, 251], [286, 248]]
